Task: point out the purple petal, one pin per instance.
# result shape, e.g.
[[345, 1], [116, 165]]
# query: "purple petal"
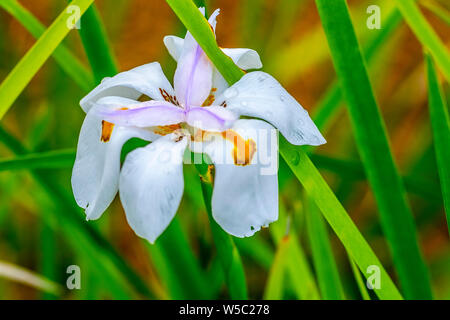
[[193, 76], [214, 118], [145, 114]]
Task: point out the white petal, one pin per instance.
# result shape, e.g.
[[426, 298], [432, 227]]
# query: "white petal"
[[95, 174], [244, 58], [174, 45], [259, 95], [245, 198], [148, 79], [151, 186], [193, 76]]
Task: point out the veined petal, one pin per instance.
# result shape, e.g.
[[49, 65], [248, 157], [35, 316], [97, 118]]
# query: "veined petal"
[[95, 174], [193, 76], [213, 118], [148, 79], [259, 95], [143, 114], [245, 195], [151, 186]]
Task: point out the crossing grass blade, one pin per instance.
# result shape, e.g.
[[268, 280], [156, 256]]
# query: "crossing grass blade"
[[33, 60], [298, 161], [437, 9], [68, 62], [426, 35], [359, 280], [440, 123], [332, 99], [371, 138]]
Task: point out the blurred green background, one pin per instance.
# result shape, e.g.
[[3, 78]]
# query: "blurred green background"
[[42, 231]]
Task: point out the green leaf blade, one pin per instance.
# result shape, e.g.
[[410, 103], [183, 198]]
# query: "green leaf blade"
[[33, 60], [440, 123], [373, 146]]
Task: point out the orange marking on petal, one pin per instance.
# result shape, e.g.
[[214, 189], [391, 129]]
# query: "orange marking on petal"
[[107, 128], [209, 101], [243, 150]]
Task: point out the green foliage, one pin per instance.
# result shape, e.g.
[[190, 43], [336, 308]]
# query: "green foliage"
[[373, 146], [440, 123]]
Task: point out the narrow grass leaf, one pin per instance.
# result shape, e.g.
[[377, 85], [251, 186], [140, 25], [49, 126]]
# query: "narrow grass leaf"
[[359, 280], [43, 160], [324, 262], [68, 62], [425, 33], [440, 123], [33, 60], [371, 138], [29, 278], [95, 42], [274, 289]]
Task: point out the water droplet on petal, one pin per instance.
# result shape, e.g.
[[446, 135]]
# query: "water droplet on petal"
[[282, 98], [230, 93], [244, 103], [295, 158]]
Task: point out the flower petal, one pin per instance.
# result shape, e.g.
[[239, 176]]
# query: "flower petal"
[[142, 114], [95, 174], [259, 95], [148, 79], [193, 76], [151, 186], [213, 118], [245, 197]]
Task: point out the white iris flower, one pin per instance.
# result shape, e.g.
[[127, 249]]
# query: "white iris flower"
[[200, 113]]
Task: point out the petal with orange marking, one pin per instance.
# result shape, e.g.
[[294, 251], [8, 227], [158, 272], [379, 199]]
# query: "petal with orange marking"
[[245, 196], [95, 174]]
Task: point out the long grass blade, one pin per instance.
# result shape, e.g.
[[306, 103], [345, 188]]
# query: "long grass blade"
[[43, 160], [359, 280], [95, 42], [440, 122], [371, 138], [68, 62], [19, 274], [324, 262], [33, 60], [298, 161], [426, 35]]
